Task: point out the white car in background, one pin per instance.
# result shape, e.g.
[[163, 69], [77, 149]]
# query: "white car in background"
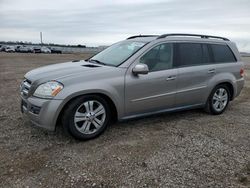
[[24, 49], [45, 49], [10, 49]]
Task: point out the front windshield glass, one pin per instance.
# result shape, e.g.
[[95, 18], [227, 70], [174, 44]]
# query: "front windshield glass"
[[117, 53]]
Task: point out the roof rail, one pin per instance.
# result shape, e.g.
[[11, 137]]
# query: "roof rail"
[[191, 35], [136, 36]]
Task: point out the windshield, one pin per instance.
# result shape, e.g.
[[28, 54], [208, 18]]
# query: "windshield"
[[117, 53]]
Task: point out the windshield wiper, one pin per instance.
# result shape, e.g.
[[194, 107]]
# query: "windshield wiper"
[[97, 61]]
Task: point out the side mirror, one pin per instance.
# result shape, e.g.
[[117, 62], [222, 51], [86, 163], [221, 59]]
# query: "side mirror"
[[140, 69]]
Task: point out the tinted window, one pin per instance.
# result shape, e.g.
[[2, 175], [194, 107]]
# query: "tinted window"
[[159, 57], [189, 54], [222, 53]]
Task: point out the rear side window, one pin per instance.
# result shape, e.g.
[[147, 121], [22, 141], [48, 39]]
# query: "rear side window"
[[222, 53], [187, 54]]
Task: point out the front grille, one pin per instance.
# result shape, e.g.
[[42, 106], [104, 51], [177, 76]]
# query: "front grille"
[[25, 87]]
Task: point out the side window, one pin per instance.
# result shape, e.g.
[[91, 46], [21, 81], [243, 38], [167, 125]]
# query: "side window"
[[222, 53], [159, 57], [190, 54]]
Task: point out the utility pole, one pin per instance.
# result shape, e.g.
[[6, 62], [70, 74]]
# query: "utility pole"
[[41, 37]]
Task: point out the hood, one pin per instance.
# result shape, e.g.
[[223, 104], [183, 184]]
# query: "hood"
[[64, 70]]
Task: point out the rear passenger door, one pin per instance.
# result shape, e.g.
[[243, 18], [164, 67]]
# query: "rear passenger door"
[[194, 71]]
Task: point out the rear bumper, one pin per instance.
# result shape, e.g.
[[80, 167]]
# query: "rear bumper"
[[239, 86], [41, 112]]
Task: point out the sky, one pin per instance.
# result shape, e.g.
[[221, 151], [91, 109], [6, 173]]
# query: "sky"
[[104, 22]]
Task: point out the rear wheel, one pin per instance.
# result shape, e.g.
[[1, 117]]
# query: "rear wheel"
[[218, 100], [86, 117]]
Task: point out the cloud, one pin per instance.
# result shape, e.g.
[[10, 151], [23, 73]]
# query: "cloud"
[[104, 22]]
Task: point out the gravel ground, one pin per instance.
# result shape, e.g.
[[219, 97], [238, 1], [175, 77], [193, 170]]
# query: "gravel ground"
[[185, 149]]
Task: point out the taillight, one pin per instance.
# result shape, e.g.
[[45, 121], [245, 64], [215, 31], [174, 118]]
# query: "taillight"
[[241, 72]]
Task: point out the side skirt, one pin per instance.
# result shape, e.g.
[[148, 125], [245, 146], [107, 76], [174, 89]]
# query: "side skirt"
[[162, 111]]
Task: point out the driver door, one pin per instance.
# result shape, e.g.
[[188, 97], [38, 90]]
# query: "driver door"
[[156, 90]]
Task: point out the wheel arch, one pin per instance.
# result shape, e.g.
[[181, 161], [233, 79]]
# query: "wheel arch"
[[225, 78], [230, 87], [111, 103]]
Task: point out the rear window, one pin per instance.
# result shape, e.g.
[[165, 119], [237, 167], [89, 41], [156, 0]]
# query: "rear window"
[[222, 53]]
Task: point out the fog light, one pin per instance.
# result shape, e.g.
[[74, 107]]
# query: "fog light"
[[35, 109]]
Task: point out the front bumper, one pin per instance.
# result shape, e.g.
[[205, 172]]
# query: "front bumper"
[[41, 112]]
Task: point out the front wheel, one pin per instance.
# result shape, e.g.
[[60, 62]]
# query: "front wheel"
[[218, 100], [86, 117]]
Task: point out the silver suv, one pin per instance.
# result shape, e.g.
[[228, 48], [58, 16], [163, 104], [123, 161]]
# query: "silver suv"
[[139, 76]]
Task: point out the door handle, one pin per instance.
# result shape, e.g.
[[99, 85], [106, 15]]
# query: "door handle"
[[170, 78], [211, 71]]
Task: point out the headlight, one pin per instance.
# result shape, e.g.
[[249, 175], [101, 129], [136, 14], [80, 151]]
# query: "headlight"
[[48, 89]]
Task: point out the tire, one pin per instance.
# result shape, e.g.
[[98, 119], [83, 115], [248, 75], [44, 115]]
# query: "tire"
[[84, 122], [222, 99]]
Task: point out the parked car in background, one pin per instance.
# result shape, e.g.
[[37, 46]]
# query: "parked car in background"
[[45, 49], [17, 48], [37, 49], [140, 76], [55, 51], [25, 49], [10, 49], [2, 48]]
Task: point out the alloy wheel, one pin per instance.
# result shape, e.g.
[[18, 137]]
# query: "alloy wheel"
[[89, 117], [220, 99]]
